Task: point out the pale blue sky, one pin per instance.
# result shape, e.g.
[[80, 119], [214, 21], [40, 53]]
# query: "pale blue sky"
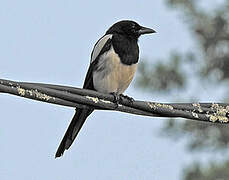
[[51, 41]]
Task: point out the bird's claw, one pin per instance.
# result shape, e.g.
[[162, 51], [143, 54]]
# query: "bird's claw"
[[120, 97], [129, 99], [117, 98]]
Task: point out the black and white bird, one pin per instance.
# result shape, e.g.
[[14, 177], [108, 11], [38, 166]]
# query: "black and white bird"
[[113, 64]]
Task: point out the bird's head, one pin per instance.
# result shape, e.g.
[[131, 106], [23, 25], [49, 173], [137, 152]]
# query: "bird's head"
[[129, 28]]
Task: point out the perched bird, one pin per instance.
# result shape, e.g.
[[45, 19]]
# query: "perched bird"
[[112, 67]]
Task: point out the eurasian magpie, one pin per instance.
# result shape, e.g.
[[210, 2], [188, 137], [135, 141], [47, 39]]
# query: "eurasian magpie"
[[113, 64]]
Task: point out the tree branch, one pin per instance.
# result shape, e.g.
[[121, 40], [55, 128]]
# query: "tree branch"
[[81, 98]]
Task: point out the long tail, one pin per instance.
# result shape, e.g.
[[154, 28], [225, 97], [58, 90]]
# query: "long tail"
[[73, 129]]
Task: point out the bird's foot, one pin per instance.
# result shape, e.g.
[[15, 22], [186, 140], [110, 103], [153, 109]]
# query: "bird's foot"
[[129, 99], [117, 98]]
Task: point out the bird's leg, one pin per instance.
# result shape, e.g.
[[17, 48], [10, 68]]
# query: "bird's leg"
[[129, 99], [117, 98]]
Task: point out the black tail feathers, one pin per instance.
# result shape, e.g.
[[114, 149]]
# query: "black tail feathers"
[[73, 129]]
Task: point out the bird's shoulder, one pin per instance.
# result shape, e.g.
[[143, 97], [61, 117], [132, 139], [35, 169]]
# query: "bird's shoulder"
[[102, 45], [126, 48]]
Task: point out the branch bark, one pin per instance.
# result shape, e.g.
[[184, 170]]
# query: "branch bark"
[[76, 97]]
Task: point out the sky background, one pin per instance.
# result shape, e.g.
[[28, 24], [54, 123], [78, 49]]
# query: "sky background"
[[50, 42]]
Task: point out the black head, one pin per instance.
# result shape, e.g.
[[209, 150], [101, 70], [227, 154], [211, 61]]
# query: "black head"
[[129, 28]]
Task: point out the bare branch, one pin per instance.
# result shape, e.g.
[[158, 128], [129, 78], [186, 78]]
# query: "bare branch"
[[82, 98]]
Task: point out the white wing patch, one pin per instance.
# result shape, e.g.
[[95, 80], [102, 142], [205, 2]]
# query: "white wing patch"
[[99, 45]]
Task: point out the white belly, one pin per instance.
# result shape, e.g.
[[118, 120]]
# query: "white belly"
[[112, 75]]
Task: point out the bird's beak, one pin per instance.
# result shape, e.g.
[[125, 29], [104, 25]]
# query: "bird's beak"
[[145, 30]]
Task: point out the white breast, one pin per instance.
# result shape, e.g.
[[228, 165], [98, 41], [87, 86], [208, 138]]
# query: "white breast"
[[112, 75]]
